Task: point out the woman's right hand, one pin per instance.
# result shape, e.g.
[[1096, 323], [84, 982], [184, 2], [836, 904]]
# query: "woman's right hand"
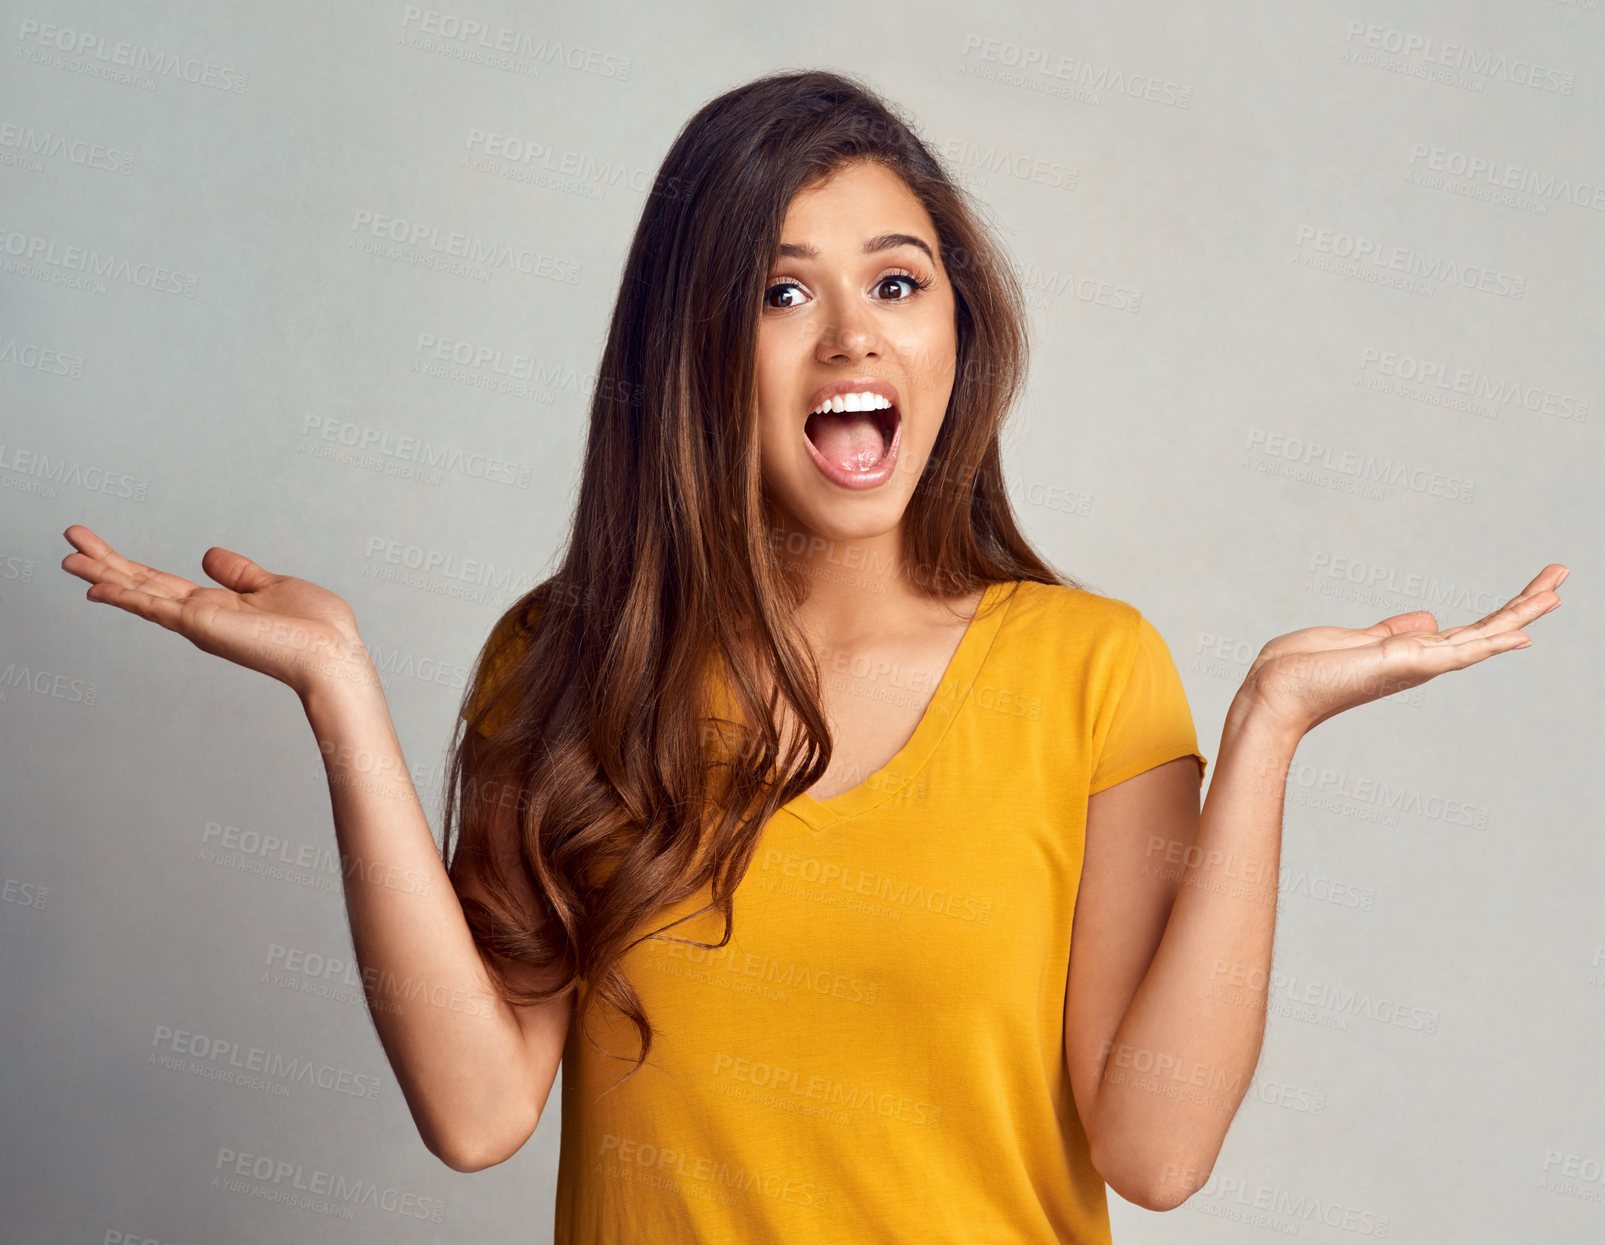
[[287, 628]]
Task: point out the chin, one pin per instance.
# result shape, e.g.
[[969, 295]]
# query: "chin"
[[850, 518]]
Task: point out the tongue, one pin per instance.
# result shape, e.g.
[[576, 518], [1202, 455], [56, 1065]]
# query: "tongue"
[[851, 440]]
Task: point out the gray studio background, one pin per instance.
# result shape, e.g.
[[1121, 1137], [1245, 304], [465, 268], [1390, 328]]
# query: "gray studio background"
[[1316, 298]]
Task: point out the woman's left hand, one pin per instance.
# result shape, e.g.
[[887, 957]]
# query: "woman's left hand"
[[1302, 678]]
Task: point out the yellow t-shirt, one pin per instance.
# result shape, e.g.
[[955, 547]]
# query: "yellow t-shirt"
[[878, 1054]]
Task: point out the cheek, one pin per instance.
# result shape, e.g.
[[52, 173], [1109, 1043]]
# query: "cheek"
[[774, 427], [933, 380], [774, 386], [778, 449], [931, 348]]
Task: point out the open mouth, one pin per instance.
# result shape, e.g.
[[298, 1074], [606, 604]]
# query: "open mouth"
[[854, 441]]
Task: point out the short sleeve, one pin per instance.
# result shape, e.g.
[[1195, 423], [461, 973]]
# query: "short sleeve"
[[1151, 722], [506, 644]]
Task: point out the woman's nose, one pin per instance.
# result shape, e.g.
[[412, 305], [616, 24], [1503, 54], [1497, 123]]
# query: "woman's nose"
[[850, 331]]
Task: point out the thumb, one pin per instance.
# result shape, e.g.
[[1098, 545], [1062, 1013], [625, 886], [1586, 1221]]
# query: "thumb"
[[1415, 620], [234, 570]]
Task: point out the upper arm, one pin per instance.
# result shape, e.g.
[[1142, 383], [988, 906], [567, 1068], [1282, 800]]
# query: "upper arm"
[[1142, 816], [1136, 831], [543, 1027]]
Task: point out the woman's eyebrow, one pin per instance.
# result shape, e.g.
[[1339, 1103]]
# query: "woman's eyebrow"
[[881, 242]]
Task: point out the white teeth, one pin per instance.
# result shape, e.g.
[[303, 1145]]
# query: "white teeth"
[[852, 402]]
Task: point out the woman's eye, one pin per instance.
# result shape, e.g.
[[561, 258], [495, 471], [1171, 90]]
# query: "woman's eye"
[[793, 290], [783, 287]]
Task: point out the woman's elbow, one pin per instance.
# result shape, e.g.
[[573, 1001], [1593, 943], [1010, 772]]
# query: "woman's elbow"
[[1156, 1187], [475, 1154]]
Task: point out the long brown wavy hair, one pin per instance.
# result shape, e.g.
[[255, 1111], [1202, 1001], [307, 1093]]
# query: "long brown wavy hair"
[[598, 718]]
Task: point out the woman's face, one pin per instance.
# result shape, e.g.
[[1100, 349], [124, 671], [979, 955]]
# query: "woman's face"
[[838, 317]]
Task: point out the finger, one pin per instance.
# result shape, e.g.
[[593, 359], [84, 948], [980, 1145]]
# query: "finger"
[[1434, 658], [1547, 580], [1552, 576], [163, 610], [1396, 624], [1487, 646], [145, 578], [1518, 613], [1536, 599], [1415, 620], [235, 570], [1404, 661], [98, 562]]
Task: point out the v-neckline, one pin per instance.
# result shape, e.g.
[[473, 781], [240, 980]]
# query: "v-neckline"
[[951, 693]]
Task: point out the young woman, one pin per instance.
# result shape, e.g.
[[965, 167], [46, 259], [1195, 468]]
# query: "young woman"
[[848, 858]]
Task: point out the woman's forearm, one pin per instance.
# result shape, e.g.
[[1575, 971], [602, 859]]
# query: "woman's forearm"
[[454, 1044], [1182, 1058]]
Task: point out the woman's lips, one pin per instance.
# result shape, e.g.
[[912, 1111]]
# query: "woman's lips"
[[869, 477], [856, 384]]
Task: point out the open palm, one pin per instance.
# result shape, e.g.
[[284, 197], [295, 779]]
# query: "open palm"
[[1306, 676], [287, 628]]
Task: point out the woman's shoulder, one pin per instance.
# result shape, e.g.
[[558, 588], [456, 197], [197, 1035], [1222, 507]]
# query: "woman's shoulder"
[[1054, 631], [511, 634], [1064, 614], [501, 652]]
